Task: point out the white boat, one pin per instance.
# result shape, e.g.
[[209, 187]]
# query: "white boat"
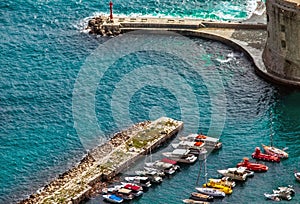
[[181, 156], [274, 197], [275, 151], [209, 141], [188, 144], [152, 171], [191, 201], [234, 173], [211, 191], [297, 176], [168, 168], [140, 180], [112, 198]]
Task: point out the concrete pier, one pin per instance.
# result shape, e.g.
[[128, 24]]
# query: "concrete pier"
[[103, 163], [248, 36]]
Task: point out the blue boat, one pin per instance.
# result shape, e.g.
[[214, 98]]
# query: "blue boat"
[[112, 198]]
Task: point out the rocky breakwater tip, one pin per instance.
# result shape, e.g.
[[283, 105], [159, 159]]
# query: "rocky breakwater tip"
[[102, 164], [101, 25]]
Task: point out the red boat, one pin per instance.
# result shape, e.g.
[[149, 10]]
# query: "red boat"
[[252, 166], [266, 157]]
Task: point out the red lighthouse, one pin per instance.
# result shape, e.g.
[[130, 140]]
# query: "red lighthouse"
[[110, 8]]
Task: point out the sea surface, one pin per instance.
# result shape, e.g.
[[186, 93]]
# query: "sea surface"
[[63, 91]]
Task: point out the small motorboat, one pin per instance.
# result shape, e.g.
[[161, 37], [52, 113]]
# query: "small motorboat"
[[227, 190], [151, 171], [167, 165], [191, 201], [188, 145], [252, 166], [112, 198], [250, 174], [139, 180], [212, 142], [224, 181], [274, 197], [297, 176], [211, 191], [281, 193], [181, 156], [289, 189], [201, 197], [132, 186], [265, 157], [275, 152], [234, 173]]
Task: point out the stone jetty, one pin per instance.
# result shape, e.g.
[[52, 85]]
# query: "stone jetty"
[[102, 164]]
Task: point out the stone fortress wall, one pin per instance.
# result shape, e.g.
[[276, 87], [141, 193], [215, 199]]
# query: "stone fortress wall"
[[281, 55]]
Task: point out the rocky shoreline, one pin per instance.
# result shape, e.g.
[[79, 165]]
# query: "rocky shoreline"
[[103, 26]]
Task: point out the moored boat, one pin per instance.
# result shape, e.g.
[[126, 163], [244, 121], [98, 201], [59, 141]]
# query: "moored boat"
[[227, 190], [238, 174], [224, 181], [181, 156], [139, 180], [211, 191], [201, 197], [189, 144], [297, 176], [275, 151], [112, 198], [209, 141], [274, 197], [191, 201], [168, 168], [265, 157], [252, 166]]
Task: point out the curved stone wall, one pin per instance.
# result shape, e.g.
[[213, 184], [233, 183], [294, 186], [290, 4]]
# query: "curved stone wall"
[[281, 55]]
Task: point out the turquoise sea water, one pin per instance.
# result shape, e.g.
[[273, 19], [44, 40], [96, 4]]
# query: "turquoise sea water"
[[43, 51]]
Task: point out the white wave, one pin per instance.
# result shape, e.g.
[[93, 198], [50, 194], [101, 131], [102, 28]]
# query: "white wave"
[[224, 60]]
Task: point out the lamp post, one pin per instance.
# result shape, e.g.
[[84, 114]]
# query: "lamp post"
[[110, 8]]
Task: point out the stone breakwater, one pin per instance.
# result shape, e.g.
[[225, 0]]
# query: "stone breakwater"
[[102, 164], [103, 26]]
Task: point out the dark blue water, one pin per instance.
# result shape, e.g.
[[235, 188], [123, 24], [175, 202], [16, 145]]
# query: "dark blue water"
[[43, 53]]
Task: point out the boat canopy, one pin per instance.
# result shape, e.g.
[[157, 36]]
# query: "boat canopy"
[[180, 152], [124, 190]]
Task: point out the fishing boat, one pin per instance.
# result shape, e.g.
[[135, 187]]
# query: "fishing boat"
[[265, 157], [252, 166], [112, 198], [211, 191], [140, 180], [201, 197], [238, 174], [275, 151], [297, 176], [181, 156], [224, 181], [191, 201], [227, 190]]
